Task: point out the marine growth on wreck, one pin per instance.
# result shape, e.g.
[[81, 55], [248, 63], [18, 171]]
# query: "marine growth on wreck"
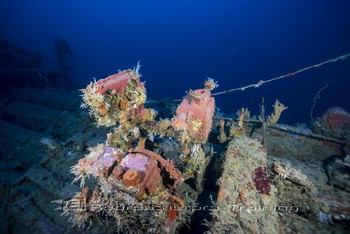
[[138, 185], [130, 174], [124, 163]]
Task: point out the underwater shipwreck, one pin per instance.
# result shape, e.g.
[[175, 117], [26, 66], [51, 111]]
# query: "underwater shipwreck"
[[122, 163]]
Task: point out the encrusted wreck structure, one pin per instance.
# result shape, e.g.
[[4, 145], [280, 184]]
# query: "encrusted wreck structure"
[[128, 164], [129, 172]]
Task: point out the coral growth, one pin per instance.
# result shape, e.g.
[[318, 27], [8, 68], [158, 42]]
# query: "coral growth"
[[336, 118], [133, 173], [210, 84], [136, 176], [98, 162], [240, 118], [222, 136], [334, 123], [274, 117], [114, 98], [134, 180], [244, 190]]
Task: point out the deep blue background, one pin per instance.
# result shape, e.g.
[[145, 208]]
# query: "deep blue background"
[[180, 43]]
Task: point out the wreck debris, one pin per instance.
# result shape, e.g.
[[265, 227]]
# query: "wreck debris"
[[124, 172], [164, 164], [97, 163], [302, 132], [244, 189], [338, 172], [334, 124], [194, 115], [336, 118], [332, 204], [147, 176], [292, 174], [114, 98]]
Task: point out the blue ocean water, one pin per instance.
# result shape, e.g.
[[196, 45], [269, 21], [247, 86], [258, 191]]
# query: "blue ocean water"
[[181, 43]]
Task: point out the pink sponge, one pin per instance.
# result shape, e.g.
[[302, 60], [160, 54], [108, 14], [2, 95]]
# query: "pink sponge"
[[195, 114], [118, 82]]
